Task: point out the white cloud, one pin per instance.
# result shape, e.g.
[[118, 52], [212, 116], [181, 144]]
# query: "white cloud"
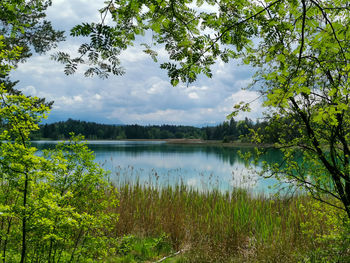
[[77, 99], [69, 101], [158, 88], [29, 90], [134, 54], [193, 95], [68, 12], [39, 65]]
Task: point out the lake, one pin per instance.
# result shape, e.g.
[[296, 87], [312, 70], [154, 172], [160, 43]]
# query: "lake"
[[159, 163]]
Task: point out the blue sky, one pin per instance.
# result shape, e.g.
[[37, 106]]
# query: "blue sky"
[[143, 95]]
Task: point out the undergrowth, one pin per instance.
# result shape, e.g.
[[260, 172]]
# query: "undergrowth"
[[225, 227]]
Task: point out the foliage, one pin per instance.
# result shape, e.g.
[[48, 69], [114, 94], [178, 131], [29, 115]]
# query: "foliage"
[[178, 26], [23, 24], [53, 207], [330, 239], [55, 204], [135, 249], [303, 63]]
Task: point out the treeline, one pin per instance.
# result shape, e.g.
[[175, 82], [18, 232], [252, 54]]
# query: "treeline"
[[96, 131], [227, 131], [233, 130]]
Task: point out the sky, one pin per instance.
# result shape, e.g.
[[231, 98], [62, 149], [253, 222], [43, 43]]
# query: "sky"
[[143, 95]]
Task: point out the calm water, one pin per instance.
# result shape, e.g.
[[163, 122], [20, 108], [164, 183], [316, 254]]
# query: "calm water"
[[200, 166]]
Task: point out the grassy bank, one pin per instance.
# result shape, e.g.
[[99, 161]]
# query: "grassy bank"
[[223, 227]]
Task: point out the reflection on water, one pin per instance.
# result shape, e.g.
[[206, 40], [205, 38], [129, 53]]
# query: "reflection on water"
[[201, 166]]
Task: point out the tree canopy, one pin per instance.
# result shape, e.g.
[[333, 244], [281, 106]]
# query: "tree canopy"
[[300, 49], [23, 24]]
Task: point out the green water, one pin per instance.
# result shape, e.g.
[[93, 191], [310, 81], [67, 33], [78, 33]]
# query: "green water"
[[158, 163]]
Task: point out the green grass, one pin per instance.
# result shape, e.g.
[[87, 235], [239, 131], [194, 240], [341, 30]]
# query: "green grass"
[[135, 249], [218, 227]]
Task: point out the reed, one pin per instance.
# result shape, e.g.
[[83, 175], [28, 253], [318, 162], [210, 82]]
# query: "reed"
[[212, 226]]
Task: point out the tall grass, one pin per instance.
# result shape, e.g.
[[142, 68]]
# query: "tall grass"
[[211, 226]]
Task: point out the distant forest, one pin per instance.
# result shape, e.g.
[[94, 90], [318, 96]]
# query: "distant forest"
[[227, 131]]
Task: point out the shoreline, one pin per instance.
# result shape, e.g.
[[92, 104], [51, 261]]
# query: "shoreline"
[[181, 142], [217, 143]]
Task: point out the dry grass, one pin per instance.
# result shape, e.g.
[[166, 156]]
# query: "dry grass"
[[217, 227]]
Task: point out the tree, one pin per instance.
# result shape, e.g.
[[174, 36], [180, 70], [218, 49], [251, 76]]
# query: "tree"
[[23, 24], [53, 206], [301, 51]]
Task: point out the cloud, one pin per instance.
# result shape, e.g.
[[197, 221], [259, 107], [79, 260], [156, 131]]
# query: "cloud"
[[30, 90], [193, 95], [143, 95], [65, 14]]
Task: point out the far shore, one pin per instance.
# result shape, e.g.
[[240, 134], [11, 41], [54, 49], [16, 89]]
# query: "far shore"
[[189, 142], [216, 143]]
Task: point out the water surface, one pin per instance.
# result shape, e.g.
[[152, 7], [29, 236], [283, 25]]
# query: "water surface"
[[155, 162]]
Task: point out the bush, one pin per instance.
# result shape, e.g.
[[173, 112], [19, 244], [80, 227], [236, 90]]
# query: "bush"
[[55, 206], [330, 232]]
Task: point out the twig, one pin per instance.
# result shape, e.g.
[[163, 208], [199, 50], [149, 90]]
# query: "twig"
[[171, 255]]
